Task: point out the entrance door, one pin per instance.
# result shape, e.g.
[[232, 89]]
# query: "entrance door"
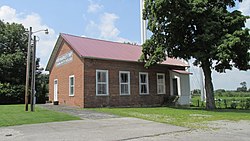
[[175, 86], [55, 90]]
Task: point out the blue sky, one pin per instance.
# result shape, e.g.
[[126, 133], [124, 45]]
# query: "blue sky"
[[115, 20]]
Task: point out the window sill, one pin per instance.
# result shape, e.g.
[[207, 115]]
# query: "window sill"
[[145, 94], [124, 94], [161, 93], [101, 95]]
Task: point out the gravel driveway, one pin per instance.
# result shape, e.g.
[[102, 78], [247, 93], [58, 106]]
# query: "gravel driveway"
[[83, 114]]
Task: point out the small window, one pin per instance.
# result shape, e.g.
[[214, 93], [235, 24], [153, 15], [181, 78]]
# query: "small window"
[[143, 83], [161, 83], [101, 82], [124, 78], [71, 85]]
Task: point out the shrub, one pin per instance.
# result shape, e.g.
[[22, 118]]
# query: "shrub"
[[233, 105], [242, 104], [247, 103], [11, 94]]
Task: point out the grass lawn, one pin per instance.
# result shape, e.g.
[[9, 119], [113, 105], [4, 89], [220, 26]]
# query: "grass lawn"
[[15, 115], [181, 117]]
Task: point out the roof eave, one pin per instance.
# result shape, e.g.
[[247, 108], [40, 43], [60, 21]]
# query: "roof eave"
[[99, 58], [54, 53]]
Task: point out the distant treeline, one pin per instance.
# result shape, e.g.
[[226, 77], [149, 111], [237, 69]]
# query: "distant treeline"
[[225, 93]]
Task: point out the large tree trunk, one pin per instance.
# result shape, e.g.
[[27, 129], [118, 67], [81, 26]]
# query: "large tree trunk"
[[210, 104]]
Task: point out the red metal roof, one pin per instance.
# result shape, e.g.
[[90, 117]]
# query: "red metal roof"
[[93, 48]]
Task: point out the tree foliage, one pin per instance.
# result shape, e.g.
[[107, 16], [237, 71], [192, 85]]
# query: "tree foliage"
[[201, 29], [42, 88], [13, 52], [13, 49], [11, 94], [243, 87]]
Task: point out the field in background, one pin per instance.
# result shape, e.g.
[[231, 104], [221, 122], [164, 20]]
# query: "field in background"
[[226, 99]]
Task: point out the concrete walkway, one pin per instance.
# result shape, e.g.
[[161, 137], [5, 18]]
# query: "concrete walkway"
[[112, 129]]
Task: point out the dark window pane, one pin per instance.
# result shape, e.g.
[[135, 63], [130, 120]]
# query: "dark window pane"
[[71, 80], [124, 77], [71, 90], [144, 88], [101, 76], [143, 78], [124, 88], [102, 89]]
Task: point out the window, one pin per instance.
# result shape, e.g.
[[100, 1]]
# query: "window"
[[124, 78], [161, 83], [101, 82], [143, 83], [71, 85]]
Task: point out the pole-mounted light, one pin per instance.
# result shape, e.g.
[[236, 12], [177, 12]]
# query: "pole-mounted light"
[[33, 69]]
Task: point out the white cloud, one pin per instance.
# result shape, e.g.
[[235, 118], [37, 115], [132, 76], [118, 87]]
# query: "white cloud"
[[94, 7], [105, 28], [229, 80], [244, 8], [46, 42]]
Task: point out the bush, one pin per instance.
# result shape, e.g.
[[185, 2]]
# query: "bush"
[[234, 105], [242, 104], [11, 94], [171, 100], [247, 103]]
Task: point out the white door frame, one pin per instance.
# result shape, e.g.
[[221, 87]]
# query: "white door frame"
[[56, 90]]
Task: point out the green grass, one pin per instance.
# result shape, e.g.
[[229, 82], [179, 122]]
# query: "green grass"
[[182, 117], [15, 115]]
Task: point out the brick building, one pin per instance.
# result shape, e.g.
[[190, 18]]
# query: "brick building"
[[87, 72]]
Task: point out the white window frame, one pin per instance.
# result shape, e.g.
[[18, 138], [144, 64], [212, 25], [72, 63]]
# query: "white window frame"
[[140, 84], [70, 85], [107, 82], [163, 84], [127, 83]]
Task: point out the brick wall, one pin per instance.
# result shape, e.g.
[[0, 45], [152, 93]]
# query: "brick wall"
[[62, 73], [114, 98]]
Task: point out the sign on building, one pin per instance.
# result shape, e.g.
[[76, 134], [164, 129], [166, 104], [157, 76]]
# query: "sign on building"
[[64, 59]]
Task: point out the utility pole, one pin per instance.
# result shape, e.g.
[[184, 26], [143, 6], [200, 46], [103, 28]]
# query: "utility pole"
[[28, 72], [143, 24], [33, 70], [33, 76]]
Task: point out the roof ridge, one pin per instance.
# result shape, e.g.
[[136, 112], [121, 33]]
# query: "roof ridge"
[[99, 39]]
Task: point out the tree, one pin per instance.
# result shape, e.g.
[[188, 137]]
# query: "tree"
[[13, 44], [42, 87], [13, 51], [243, 87], [196, 92], [201, 29]]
